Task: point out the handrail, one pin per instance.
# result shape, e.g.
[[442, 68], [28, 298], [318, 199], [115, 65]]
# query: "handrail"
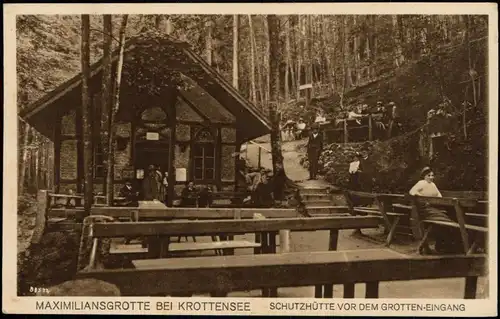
[[262, 147]]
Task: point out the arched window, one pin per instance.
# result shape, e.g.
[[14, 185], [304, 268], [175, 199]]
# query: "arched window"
[[204, 155]]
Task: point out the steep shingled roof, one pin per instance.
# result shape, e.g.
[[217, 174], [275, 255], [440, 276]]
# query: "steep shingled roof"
[[179, 57]]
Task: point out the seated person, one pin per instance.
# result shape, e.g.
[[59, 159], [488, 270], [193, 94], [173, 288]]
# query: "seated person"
[[300, 129], [205, 197], [446, 240], [130, 195], [263, 194], [189, 195]]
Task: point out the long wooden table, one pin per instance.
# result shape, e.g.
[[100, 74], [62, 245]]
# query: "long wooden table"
[[217, 275]]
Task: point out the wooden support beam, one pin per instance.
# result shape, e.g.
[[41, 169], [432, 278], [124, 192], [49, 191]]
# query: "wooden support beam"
[[200, 227], [248, 272]]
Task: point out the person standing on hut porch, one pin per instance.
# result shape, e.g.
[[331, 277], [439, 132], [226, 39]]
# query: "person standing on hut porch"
[[314, 148]]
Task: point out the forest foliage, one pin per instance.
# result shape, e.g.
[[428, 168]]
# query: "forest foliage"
[[415, 60]]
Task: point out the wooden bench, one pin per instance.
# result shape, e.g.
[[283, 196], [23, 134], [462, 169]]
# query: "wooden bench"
[[458, 219], [219, 275], [235, 198], [384, 208], [398, 212], [138, 251]]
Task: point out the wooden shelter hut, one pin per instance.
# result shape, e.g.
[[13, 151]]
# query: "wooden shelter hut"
[[176, 112]]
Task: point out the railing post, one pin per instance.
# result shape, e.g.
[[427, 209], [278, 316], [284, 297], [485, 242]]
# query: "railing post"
[[284, 241], [370, 128], [346, 133], [258, 161]]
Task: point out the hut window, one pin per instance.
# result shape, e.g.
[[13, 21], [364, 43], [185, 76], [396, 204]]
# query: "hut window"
[[98, 161], [204, 155]]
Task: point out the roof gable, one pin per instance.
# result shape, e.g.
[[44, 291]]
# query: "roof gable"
[[221, 96]]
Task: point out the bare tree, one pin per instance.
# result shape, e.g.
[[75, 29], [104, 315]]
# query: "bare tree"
[[86, 115], [114, 111], [252, 61], [24, 158], [208, 41], [106, 96], [274, 60], [236, 24]]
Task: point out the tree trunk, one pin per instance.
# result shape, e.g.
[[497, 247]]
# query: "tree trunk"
[[236, 25], [308, 60], [86, 116], [258, 66], [267, 48], [288, 58], [300, 54], [326, 56], [36, 177], [356, 51], [252, 61], [110, 172], [274, 59], [398, 53], [24, 159], [106, 95], [208, 42], [346, 63]]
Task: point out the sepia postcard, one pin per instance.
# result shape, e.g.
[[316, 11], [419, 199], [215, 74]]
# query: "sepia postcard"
[[251, 159]]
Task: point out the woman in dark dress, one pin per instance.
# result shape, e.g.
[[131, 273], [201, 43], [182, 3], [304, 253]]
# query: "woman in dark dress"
[[446, 239]]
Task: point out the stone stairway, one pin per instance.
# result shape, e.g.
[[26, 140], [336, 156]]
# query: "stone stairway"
[[322, 199]]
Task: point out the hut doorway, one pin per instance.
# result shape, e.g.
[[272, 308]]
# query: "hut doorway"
[[157, 155]]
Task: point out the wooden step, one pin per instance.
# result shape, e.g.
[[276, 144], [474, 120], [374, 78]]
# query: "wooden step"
[[327, 210], [230, 244], [304, 191], [317, 196], [317, 203]]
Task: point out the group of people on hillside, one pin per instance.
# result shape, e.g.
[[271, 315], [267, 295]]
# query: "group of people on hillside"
[[292, 130]]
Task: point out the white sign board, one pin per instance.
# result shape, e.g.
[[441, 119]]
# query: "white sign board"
[[139, 174], [305, 86], [180, 175], [152, 136]]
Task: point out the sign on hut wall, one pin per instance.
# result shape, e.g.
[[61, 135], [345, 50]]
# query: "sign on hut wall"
[[228, 162], [68, 163], [152, 136], [180, 174]]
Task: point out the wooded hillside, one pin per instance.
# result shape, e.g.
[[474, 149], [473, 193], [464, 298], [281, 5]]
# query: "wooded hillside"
[[416, 61]]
